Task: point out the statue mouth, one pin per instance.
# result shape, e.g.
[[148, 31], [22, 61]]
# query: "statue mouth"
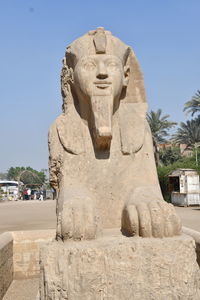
[[102, 84]]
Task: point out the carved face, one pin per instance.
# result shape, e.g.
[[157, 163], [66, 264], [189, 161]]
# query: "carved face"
[[98, 81], [99, 74]]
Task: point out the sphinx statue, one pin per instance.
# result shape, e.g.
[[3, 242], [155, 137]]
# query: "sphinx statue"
[[101, 156], [116, 237]]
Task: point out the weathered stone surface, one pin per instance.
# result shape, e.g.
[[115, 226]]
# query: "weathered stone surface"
[[6, 262], [26, 289], [26, 245], [119, 268], [101, 145], [196, 236]]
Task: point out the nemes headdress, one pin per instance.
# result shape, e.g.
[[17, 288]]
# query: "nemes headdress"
[[98, 41], [133, 107]]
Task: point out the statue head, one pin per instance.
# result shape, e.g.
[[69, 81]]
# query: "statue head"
[[94, 78]]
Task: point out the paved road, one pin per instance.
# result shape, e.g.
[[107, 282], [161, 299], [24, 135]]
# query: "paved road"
[[27, 215], [190, 216], [34, 214]]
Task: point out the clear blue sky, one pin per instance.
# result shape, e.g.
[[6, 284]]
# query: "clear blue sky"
[[33, 37]]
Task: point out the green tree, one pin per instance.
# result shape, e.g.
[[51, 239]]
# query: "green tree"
[[3, 176], [170, 155], [193, 106], [160, 126], [27, 175], [188, 133]]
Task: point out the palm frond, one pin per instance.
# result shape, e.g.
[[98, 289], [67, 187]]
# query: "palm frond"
[[193, 106], [188, 133], [159, 125]]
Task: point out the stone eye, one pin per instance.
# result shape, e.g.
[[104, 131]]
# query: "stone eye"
[[112, 64], [90, 65]]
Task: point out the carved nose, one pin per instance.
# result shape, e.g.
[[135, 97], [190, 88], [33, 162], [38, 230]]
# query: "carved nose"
[[102, 72], [102, 75]]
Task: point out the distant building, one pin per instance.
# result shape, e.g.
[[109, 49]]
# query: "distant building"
[[184, 149], [9, 189]]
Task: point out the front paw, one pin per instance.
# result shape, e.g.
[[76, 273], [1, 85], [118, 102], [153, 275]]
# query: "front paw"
[[78, 219], [154, 218]]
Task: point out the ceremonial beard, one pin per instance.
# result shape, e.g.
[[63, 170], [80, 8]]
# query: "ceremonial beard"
[[102, 110]]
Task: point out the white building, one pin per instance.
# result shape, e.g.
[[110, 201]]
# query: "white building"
[[184, 187], [9, 189]]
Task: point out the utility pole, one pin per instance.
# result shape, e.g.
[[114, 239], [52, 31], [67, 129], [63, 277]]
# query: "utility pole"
[[196, 145]]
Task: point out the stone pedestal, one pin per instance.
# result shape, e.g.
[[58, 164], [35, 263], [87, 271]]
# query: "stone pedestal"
[[119, 268]]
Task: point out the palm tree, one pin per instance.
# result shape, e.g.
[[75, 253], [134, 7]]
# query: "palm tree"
[[160, 126], [188, 133], [193, 106]]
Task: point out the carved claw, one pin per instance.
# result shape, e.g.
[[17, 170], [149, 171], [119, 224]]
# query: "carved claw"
[[154, 218]]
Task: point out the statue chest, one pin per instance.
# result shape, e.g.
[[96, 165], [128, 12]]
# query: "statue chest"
[[102, 172]]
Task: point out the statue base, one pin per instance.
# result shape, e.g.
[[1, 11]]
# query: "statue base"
[[119, 268]]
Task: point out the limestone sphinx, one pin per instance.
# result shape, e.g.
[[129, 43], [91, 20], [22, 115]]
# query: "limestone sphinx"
[[101, 156]]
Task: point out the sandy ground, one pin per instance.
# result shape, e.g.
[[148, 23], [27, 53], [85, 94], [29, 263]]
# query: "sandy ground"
[[34, 214]]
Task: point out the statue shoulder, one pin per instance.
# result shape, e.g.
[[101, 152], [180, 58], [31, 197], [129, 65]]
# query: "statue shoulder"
[[53, 127], [133, 126], [67, 132], [53, 133], [55, 153]]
